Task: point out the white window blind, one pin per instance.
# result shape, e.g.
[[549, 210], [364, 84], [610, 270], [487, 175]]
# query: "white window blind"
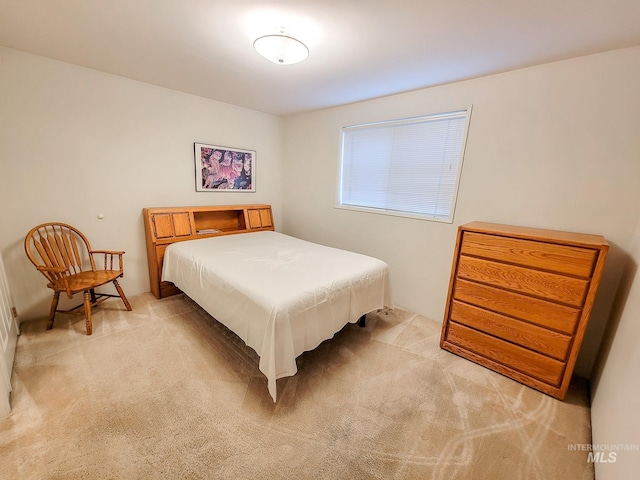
[[405, 167]]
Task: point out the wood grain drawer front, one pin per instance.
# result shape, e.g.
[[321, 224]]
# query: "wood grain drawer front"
[[521, 359], [552, 286], [564, 259], [167, 289], [260, 218], [182, 224], [265, 217], [162, 225], [168, 225], [541, 312], [536, 338], [254, 219]]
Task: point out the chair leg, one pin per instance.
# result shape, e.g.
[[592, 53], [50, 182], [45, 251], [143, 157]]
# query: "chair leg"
[[52, 312], [122, 296], [87, 311]]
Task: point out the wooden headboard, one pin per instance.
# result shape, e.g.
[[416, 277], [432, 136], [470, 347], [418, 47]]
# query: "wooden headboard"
[[164, 226]]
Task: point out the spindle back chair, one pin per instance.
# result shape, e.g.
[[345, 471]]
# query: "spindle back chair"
[[64, 256]]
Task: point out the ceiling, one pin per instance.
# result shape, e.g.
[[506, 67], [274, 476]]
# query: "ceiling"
[[359, 49]]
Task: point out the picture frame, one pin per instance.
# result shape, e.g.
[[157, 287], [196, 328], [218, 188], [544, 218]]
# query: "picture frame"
[[224, 169]]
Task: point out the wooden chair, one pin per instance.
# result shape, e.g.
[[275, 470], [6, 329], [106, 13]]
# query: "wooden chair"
[[64, 256]]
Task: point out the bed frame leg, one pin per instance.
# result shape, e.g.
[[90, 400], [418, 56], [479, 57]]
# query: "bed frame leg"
[[362, 321]]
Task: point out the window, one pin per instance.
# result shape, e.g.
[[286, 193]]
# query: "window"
[[407, 167]]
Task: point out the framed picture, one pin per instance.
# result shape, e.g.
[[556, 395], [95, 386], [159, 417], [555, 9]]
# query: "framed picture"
[[224, 169]]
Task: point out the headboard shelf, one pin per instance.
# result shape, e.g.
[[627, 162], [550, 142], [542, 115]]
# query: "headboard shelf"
[[222, 220], [166, 225]]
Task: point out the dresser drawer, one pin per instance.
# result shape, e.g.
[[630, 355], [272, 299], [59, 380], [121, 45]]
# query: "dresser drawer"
[[167, 289], [519, 300], [541, 340], [563, 259], [541, 312], [504, 353], [552, 286]]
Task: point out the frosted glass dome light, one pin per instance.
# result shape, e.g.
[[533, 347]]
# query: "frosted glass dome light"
[[280, 48]]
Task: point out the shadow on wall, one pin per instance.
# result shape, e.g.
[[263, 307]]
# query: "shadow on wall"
[[628, 271], [601, 310]]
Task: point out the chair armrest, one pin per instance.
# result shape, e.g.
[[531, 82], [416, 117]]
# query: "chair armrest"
[[108, 259]]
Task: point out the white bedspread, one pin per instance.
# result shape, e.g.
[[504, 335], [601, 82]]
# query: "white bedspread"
[[281, 295]]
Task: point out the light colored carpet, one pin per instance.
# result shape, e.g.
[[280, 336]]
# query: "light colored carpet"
[[166, 392]]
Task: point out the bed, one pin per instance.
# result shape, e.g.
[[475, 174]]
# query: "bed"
[[281, 295]]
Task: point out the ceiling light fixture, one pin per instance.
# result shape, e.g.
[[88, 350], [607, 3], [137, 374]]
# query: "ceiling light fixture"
[[281, 48]]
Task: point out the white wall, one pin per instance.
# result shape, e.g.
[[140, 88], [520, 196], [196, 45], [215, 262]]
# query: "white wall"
[[615, 389], [554, 146], [76, 142]]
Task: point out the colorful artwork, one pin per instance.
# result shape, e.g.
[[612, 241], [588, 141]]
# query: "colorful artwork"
[[221, 169]]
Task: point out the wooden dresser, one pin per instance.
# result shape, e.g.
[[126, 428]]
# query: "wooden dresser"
[[164, 226], [519, 300]]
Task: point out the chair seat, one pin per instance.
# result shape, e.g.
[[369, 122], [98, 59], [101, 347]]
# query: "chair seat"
[[86, 280]]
